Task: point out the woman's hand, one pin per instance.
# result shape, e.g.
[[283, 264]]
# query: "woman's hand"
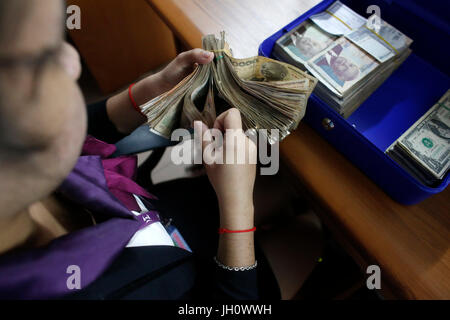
[[177, 70], [233, 182], [119, 107]]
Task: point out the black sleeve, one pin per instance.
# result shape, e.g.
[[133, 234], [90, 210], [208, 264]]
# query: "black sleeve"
[[165, 273], [235, 285], [256, 284], [144, 273], [99, 124]]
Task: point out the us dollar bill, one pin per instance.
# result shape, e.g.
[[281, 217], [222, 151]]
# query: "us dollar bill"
[[427, 142]]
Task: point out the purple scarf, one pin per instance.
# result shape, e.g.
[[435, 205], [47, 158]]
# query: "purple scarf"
[[101, 185]]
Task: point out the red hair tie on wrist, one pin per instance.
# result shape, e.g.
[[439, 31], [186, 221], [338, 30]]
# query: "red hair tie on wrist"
[[133, 102], [223, 230]]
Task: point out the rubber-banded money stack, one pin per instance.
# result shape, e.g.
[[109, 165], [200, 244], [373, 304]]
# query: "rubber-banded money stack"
[[350, 55], [424, 149]]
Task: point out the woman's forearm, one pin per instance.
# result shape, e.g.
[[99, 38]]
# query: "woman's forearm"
[[120, 109], [237, 249]]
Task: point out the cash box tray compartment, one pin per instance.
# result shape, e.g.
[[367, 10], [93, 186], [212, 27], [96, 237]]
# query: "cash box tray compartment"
[[394, 107]]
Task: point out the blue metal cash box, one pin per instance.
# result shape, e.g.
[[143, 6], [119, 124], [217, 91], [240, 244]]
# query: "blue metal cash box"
[[410, 91]]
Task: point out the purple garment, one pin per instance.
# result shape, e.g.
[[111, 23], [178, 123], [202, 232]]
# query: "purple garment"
[[119, 172], [100, 185]]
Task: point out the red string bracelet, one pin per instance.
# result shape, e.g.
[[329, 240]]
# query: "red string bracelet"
[[223, 230], [133, 102]]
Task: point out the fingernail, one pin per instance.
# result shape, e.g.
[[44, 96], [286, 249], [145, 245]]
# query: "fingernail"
[[196, 124], [207, 54]]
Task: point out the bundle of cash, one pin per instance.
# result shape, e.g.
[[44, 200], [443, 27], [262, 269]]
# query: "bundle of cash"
[[424, 149], [269, 94], [350, 56]]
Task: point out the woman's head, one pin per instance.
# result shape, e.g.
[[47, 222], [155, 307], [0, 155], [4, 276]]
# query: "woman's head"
[[42, 112]]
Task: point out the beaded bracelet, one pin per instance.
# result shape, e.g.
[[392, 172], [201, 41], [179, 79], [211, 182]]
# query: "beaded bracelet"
[[235, 268]]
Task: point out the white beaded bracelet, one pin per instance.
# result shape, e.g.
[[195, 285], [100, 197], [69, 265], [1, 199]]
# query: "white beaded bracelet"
[[235, 268]]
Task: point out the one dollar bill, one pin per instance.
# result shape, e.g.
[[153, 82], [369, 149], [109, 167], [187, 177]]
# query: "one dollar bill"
[[427, 142]]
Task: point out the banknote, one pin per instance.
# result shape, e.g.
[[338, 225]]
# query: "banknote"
[[267, 70], [163, 111], [380, 39], [199, 100], [394, 37], [338, 19], [267, 74], [305, 41], [342, 65], [269, 94], [353, 56], [428, 140]]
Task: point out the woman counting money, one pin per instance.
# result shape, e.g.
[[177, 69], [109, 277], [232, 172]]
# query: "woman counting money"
[[73, 223]]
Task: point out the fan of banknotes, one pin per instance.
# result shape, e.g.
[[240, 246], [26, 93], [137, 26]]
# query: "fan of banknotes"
[[269, 94], [424, 149], [350, 55]]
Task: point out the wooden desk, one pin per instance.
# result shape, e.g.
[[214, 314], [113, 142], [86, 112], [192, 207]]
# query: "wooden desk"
[[409, 243]]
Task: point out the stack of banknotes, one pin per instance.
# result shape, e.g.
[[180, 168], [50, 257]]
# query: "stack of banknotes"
[[269, 94], [349, 54], [424, 149]]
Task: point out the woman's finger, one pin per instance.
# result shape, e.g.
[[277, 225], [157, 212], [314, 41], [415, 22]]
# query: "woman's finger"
[[190, 58], [230, 119]]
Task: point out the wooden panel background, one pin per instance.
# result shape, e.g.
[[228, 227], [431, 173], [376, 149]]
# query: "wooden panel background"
[[120, 40]]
